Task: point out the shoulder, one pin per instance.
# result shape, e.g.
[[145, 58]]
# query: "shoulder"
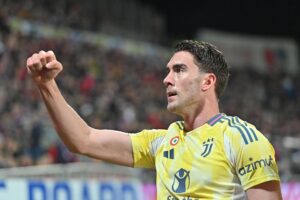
[[152, 134], [149, 134], [237, 128], [244, 143], [176, 126], [153, 138], [241, 136]]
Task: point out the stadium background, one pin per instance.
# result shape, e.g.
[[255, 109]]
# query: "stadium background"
[[114, 53]]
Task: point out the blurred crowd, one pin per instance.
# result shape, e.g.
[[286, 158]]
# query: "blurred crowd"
[[114, 90], [127, 18]]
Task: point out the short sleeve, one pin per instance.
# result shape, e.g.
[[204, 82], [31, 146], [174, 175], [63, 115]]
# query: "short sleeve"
[[144, 145], [254, 156]]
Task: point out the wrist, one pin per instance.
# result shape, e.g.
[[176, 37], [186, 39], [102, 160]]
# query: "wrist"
[[46, 85]]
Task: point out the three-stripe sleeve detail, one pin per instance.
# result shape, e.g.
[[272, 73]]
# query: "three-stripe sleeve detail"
[[246, 132]]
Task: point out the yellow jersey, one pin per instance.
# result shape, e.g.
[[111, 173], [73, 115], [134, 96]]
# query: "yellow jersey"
[[219, 160]]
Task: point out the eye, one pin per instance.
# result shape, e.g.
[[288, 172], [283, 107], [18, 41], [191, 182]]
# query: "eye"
[[178, 68]]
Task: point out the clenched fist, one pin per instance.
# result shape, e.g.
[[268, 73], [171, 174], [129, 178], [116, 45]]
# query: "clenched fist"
[[43, 67]]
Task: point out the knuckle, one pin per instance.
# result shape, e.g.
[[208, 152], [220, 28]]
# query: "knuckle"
[[35, 63], [42, 54], [51, 54]]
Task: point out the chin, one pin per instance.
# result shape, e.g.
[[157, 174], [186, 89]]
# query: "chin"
[[172, 108]]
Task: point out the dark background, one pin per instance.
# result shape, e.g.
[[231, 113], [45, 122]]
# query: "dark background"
[[264, 18]]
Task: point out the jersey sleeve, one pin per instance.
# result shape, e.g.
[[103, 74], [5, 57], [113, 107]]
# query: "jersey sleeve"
[[144, 146], [253, 156]]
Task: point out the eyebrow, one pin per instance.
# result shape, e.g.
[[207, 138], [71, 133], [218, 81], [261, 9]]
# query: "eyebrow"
[[177, 65]]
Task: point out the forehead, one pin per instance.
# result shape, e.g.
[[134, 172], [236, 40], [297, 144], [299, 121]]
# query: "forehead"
[[181, 57]]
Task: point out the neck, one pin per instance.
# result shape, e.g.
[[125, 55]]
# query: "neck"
[[199, 117]]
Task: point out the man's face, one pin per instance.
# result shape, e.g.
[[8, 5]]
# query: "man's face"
[[183, 83]]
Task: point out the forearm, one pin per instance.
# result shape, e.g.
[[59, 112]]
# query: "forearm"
[[69, 125], [109, 145]]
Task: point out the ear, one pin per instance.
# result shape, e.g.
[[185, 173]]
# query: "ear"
[[209, 81]]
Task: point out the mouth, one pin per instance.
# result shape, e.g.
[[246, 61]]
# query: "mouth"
[[171, 94]]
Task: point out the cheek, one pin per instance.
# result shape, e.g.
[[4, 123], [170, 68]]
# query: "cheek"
[[189, 85], [193, 89], [193, 86]]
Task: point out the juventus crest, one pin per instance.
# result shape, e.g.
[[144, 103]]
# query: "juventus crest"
[[208, 144]]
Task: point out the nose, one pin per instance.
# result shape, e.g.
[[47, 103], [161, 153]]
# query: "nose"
[[169, 79]]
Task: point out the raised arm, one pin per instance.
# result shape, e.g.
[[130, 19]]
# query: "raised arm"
[[108, 145]]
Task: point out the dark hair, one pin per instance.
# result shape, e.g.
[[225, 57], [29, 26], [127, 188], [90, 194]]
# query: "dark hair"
[[209, 59]]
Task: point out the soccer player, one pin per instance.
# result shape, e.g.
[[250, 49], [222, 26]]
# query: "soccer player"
[[208, 155]]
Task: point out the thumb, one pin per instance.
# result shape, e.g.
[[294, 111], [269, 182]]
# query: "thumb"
[[54, 64]]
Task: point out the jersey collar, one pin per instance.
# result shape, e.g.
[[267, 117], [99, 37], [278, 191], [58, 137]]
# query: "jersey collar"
[[215, 119]]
